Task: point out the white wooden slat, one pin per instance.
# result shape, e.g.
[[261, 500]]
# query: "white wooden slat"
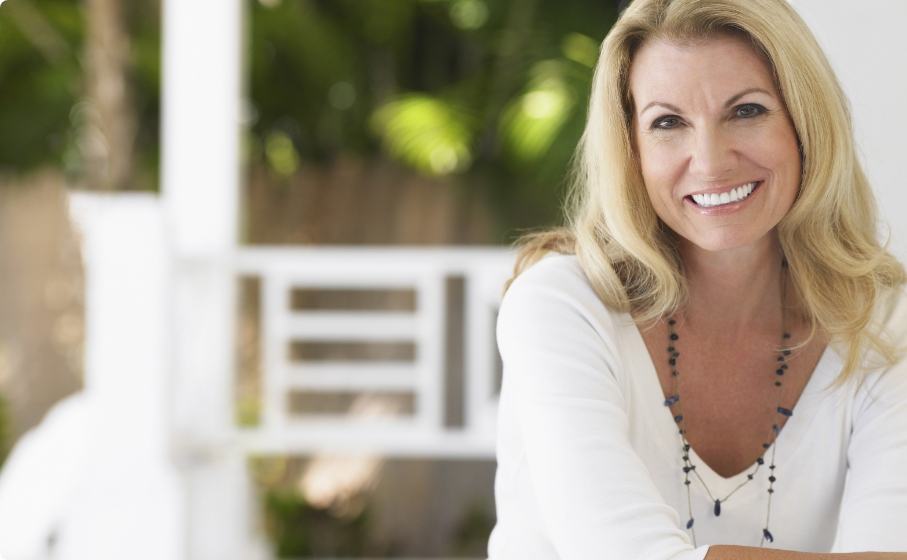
[[352, 376], [275, 301], [480, 348], [371, 436], [351, 326], [430, 350]]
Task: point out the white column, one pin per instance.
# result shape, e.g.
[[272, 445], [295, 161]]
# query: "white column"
[[201, 102], [865, 42]]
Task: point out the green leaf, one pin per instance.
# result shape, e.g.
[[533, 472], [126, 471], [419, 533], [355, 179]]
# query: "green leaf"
[[429, 134]]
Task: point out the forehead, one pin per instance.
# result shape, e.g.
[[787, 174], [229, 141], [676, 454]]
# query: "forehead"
[[706, 69]]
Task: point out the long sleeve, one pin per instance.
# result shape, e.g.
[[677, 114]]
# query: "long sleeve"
[[874, 507], [596, 497]]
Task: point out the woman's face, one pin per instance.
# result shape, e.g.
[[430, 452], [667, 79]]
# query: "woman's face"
[[718, 152]]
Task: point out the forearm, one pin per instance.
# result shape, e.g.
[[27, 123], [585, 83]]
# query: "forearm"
[[723, 552]]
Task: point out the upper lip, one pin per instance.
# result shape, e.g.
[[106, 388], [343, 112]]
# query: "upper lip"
[[724, 188]]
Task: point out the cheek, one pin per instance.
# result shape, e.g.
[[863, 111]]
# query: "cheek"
[[779, 149], [660, 166]]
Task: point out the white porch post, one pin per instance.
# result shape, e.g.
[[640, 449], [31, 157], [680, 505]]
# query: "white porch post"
[[201, 103]]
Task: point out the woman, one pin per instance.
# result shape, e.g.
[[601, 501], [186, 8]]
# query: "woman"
[[706, 362]]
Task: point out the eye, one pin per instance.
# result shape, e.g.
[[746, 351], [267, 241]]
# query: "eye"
[[749, 110], [666, 123]]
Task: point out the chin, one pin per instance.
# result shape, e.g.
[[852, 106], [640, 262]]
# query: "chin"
[[720, 243]]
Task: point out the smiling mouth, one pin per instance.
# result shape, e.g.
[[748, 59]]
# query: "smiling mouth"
[[730, 196]]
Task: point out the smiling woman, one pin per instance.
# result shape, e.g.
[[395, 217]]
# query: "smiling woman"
[[717, 149], [710, 366]]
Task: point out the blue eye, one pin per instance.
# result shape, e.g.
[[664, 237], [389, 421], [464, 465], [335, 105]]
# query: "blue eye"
[[749, 110], [666, 123]]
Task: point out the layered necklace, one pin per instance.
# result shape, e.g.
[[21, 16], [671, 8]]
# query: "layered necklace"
[[673, 402]]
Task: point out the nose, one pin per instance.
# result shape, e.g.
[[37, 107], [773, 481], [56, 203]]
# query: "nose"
[[712, 155]]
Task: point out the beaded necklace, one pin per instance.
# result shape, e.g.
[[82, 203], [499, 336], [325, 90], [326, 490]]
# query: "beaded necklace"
[[689, 467]]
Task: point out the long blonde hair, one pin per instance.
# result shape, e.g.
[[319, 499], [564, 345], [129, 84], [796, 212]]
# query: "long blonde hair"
[[836, 264]]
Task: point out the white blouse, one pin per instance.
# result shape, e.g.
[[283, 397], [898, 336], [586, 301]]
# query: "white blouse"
[[589, 462]]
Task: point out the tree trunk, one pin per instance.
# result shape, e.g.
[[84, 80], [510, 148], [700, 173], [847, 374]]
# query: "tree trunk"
[[109, 133]]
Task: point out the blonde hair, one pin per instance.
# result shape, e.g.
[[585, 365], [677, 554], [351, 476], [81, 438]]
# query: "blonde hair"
[[836, 264]]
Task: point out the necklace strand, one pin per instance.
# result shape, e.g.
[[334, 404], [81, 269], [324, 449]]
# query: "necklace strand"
[[674, 404]]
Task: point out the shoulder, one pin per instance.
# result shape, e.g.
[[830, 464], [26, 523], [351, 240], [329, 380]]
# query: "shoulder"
[[554, 298], [554, 270], [556, 278], [891, 313], [883, 379]]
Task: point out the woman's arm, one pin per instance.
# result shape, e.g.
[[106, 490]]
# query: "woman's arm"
[[873, 513], [594, 495], [724, 552]]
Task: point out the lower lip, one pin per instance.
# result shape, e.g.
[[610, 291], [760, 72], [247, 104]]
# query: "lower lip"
[[724, 208]]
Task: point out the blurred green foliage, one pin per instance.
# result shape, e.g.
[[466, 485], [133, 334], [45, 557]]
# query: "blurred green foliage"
[[42, 72], [298, 529], [490, 92], [40, 48]]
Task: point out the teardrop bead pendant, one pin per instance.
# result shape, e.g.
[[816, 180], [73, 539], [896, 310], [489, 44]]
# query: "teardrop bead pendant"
[[717, 508]]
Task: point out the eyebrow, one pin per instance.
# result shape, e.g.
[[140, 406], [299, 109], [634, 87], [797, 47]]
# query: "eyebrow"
[[733, 99]]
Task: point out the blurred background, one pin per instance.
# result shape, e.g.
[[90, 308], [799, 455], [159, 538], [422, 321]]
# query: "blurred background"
[[251, 252], [363, 123]]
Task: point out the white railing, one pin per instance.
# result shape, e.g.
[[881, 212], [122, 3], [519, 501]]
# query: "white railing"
[[424, 272]]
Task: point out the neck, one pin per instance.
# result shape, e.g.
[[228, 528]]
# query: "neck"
[[734, 292]]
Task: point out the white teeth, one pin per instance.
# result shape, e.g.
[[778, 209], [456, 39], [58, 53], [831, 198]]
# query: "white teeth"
[[736, 194]]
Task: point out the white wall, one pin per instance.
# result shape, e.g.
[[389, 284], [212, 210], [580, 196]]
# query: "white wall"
[[867, 45]]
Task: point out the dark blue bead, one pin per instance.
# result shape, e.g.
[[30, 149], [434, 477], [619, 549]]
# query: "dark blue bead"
[[749, 476], [776, 428], [779, 371], [772, 479], [771, 491], [766, 445], [672, 400], [687, 482], [768, 536], [670, 348], [672, 361], [785, 411], [760, 461], [686, 447], [678, 418], [690, 523], [717, 508], [674, 336]]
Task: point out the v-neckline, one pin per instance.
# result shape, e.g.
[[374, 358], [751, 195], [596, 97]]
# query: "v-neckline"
[[788, 439]]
